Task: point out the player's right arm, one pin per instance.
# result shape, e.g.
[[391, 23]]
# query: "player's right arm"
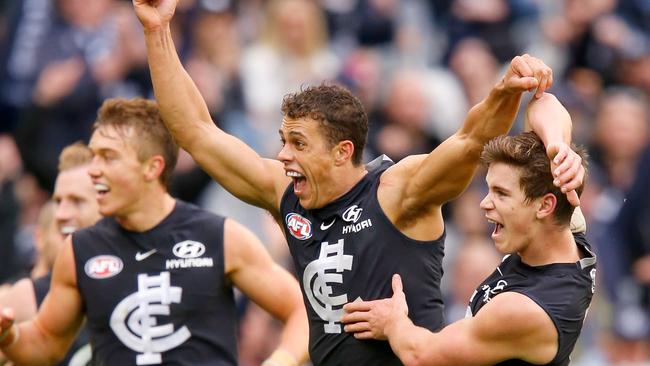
[[232, 163], [46, 338], [252, 270], [509, 326]]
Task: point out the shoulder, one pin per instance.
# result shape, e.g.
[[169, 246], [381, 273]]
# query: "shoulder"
[[527, 327], [188, 212]]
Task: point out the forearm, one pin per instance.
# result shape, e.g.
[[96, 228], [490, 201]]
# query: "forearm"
[[408, 341], [493, 116], [28, 345], [293, 347], [548, 118], [181, 104]]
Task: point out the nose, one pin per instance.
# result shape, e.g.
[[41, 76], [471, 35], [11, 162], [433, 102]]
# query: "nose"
[[65, 211], [285, 154], [486, 203], [94, 170]]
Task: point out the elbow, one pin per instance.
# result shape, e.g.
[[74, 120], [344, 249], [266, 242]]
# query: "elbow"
[[413, 359]]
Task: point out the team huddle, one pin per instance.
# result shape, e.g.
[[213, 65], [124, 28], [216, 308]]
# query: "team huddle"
[[150, 279]]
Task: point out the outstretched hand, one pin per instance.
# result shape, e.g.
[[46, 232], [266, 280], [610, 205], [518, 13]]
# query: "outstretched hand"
[[370, 319], [567, 169], [527, 73], [154, 13]]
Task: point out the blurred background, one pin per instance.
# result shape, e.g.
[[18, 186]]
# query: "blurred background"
[[417, 65]]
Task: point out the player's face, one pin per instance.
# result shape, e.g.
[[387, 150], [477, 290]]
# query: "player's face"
[[506, 208], [76, 205], [308, 160], [116, 172]]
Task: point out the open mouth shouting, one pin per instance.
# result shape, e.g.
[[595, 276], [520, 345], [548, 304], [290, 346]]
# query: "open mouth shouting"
[[498, 227], [299, 181]]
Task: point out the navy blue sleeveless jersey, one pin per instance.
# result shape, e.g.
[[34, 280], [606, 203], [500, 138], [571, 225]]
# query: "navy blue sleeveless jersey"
[[41, 288], [563, 290], [349, 250], [160, 296]]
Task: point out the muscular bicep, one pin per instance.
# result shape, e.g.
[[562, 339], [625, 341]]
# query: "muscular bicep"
[[510, 326], [431, 180], [252, 270], [238, 168]]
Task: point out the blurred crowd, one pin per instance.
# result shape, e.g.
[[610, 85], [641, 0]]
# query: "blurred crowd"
[[417, 65]]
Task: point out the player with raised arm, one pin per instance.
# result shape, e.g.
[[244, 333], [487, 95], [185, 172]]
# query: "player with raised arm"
[[349, 226]]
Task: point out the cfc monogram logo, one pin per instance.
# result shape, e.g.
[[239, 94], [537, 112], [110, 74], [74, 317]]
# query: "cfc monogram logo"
[[134, 319], [315, 282]]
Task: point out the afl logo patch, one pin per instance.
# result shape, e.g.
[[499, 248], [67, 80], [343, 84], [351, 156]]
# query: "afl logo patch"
[[299, 227], [188, 249], [103, 266]]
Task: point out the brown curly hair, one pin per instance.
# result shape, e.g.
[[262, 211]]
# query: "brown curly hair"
[[340, 114]]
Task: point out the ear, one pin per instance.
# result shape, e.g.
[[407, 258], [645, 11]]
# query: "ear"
[[154, 167], [547, 206], [343, 152]]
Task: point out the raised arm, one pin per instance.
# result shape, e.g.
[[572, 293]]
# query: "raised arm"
[[45, 339], [252, 270], [231, 162], [430, 180], [510, 326], [548, 118]]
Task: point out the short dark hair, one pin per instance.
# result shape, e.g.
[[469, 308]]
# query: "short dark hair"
[[527, 153], [144, 117], [340, 114]]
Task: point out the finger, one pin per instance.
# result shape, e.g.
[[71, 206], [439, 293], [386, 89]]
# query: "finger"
[[570, 175], [397, 284], [521, 67], [543, 74], [563, 152], [358, 306], [572, 197], [355, 317], [357, 327], [576, 181], [364, 335]]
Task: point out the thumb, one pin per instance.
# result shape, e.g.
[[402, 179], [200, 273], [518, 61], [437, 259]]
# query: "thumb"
[[524, 83], [397, 285]]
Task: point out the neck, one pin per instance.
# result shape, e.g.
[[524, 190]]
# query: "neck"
[[150, 213], [345, 181], [550, 244]]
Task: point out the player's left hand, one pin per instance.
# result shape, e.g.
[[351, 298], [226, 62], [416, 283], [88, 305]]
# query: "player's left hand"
[[370, 319], [568, 172]]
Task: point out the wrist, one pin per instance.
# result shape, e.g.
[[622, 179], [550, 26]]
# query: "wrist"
[[157, 28], [281, 357]]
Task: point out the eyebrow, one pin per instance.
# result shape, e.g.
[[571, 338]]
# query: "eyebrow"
[[292, 133]]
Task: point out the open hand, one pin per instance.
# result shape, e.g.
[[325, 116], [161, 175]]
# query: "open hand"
[[567, 169], [370, 319]]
